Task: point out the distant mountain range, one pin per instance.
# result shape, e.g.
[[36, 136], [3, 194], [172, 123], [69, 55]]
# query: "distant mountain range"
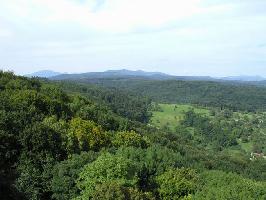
[[113, 74], [139, 74], [126, 74], [43, 74], [243, 78]]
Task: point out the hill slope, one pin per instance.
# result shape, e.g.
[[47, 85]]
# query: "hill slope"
[[234, 96], [139, 74], [112, 74], [70, 144], [43, 74], [126, 74]]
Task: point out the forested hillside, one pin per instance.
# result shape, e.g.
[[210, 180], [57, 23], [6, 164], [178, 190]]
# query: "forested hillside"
[[63, 140], [122, 102], [232, 95]]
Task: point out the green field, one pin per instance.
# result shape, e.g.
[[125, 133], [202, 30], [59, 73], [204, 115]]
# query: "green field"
[[247, 147], [171, 114]]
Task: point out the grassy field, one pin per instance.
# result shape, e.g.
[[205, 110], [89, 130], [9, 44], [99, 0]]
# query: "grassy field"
[[171, 115], [247, 147]]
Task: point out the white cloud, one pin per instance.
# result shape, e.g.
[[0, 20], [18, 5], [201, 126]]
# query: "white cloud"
[[163, 35], [113, 15], [4, 33]]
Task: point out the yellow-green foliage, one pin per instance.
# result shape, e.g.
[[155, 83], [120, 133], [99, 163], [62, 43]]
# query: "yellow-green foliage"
[[113, 190], [87, 134], [177, 183], [129, 138]]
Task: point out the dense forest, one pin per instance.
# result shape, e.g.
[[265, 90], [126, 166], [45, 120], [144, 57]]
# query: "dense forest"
[[122, 102], [232, 95], [65, 140]]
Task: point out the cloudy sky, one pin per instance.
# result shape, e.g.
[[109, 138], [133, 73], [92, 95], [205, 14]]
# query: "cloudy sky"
[[181, 37]]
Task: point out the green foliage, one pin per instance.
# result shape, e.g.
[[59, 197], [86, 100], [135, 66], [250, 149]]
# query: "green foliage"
[[84, 135], [116, 191], [222, 186], [129, 138], [110, 190], [28, 147], [214, 94], [156, 159], [124, 103], [215, 132], [95, 143], [171, 114], [40, 139], [34, 176], [65, 173], [98, 112], [106, 168], [151, 162], [41, 148], [177, 183]]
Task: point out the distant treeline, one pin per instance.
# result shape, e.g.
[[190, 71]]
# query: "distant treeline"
[[124, 103], [234, 96]]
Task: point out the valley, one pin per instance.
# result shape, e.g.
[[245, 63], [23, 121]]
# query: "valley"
[[131, 139], [247, 128]]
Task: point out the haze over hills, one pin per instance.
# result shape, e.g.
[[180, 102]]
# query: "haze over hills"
[[244, 78], [140, 74], [127, 74], [44, 74], [123, 73]]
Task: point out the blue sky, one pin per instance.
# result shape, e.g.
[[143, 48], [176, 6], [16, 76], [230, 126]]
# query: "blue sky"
[[181, 37]]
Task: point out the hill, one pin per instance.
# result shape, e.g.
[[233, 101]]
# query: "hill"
[[232, 95], [43, 74], [65, 140], [139, 74], [125, 74], [112, 74], [244, 78]]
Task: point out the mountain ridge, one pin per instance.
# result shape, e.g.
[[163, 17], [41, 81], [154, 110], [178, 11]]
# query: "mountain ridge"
[[125, 73], [43, 74]]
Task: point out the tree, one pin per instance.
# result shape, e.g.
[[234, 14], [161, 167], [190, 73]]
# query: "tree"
[[41, 149], [129, 138], [106, 168], [221, 185], [113, 190], [65, 173], [151, 162], [177, 183], [84, 135]]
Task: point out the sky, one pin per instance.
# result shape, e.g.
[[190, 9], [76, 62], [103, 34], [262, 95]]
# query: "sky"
[[179, 37]]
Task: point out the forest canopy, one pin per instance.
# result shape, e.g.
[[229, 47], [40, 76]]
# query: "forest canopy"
[[232, 95], [63, 140]]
